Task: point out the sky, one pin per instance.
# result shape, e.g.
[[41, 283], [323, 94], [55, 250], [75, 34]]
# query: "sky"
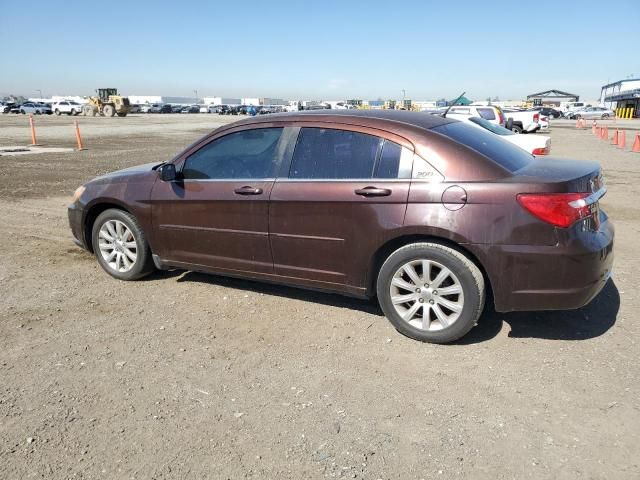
[[320, 49]]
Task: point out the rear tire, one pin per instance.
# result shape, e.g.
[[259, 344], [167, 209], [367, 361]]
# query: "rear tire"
[[433, 267], [605, 115], [120, 245], [89, 111], [108, 111], [57, 112], [122, 114], [516, 129]]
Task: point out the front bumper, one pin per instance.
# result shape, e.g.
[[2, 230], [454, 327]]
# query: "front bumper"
[[75, 214], [559, 277]]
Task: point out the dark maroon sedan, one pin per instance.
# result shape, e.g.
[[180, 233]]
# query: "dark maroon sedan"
[[421, 211]]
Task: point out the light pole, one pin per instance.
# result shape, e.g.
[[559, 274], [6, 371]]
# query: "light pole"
[[196, 92], [40, 92]]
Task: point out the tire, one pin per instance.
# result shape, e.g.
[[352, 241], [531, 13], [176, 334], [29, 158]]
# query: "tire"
[[141, 265], [89, 111], [516, 129], [57, 112], [460, 273], [605, 115], [108, 110], [23, 112], [72, 112], [576, 117], [122, 114]]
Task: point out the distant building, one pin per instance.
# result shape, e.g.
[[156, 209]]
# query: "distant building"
[[552, 97], [622, 94], [221, 101], [149, 99]]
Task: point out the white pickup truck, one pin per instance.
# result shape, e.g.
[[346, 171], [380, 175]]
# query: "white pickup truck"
[[522, 121]]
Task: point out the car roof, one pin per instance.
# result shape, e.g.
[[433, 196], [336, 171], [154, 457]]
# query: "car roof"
[[416, 119]]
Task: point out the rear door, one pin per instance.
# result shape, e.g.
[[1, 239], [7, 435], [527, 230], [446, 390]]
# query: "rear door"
[[345, 189], [216, 213]]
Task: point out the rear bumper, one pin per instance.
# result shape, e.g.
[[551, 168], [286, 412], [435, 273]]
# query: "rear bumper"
[[559, 277]]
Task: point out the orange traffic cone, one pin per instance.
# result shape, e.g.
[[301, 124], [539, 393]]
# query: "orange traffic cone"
[[614, 140], [579, 123], [622, 139], [593, 127], [605, 133], [636, 144]]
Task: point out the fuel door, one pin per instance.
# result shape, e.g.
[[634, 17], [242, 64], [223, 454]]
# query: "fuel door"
[[454, 197]]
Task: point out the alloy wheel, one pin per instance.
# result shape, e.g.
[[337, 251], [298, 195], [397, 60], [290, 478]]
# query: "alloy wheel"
[[427, 295], [118, 246]]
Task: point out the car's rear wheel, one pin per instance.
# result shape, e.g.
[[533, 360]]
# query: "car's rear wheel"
[[605, 115], [57, 112], [121, 246], [516, 129], [431, 292]]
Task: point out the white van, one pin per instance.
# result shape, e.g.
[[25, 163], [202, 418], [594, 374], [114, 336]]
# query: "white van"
[[571, 106]]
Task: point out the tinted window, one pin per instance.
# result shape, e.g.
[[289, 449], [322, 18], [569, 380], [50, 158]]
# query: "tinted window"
[[487, 113], [323, 153], [492, 127], [389, 162], [497, 149], [246, 154]]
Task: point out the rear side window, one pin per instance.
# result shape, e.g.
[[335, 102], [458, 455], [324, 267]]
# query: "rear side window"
[[501, 151], [246, 154], [487, 113], [323, 153]]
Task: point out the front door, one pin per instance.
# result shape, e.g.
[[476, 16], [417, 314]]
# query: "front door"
[[216, 213], [344, 192]]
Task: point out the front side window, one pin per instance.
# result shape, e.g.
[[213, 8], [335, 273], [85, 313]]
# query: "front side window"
[[324, 153], [247, 154]]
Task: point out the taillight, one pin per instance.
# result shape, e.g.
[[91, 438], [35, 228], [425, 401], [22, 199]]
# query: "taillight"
[[540, 151], [501, 116], [559, 209], [536, 117]]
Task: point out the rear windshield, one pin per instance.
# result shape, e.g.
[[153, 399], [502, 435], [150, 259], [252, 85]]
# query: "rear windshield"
[[488, 144]]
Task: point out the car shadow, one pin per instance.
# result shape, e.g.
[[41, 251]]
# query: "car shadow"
[[587, 322], [584, 323], [323, 298]]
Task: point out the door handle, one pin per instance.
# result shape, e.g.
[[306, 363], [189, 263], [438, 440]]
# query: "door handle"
[[373, 192], [247, 190]]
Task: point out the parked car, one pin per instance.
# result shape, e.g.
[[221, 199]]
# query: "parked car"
[[492, 113], [145, 108], [589, 113], [203, 109], [533, 144], [568, 107], [522, 121], [223, 109], [176, 108], [135, 108], [156, 107], [35, 108], [423, 212], [6, 107], [549, 112], [191, 109], [67, 106]]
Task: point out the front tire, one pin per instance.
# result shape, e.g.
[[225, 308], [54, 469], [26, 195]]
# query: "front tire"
[[108, 111], [605, 115], [431, 292], [121, 246]]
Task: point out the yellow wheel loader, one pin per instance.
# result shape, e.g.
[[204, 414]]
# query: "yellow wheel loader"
[[107, 103]]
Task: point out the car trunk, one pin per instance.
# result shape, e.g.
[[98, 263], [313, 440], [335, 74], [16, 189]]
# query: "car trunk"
[[559, 175]]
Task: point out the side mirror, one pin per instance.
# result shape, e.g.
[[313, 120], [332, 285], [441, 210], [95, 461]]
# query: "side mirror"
[[168, 172]]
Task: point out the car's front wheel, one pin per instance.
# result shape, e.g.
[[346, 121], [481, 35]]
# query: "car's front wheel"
[[605, 115], [121, 246], [431, 292]]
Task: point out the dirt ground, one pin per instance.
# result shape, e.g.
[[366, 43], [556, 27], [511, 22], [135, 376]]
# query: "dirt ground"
[[185, 375]]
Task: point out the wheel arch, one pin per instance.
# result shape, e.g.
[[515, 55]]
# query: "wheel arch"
[[398, 242], [92, 213]]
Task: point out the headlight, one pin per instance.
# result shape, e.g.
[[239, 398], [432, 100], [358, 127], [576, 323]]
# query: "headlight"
[[78, 193]]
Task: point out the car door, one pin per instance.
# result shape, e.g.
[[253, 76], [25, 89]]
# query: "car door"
[[345, 189], [215, 213]]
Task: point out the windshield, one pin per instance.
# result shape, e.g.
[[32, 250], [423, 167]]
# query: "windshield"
[[492, 127], [501, 151]]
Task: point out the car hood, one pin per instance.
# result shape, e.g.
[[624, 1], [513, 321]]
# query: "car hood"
[[126, 173]]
